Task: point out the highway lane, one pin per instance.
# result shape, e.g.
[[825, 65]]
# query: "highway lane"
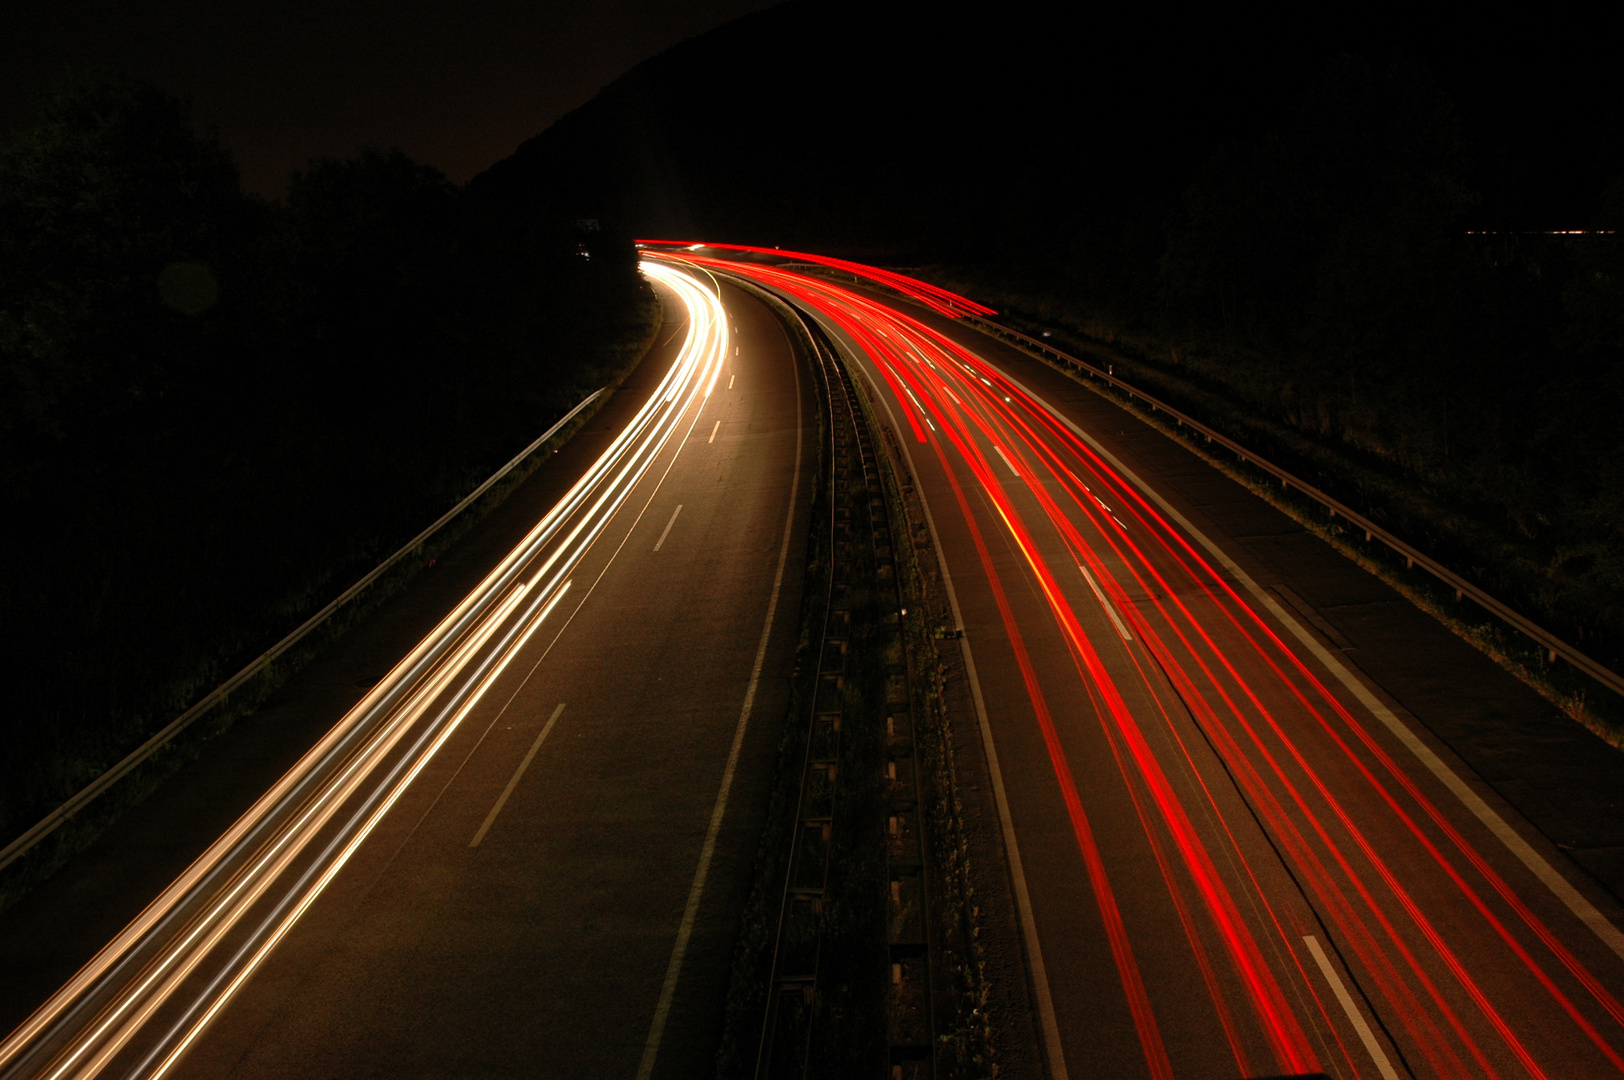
[[362, 928], [1237, 860]]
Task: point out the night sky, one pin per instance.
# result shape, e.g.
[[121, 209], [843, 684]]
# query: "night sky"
[[457, 85]]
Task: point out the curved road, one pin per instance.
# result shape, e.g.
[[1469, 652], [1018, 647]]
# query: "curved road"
[[1231, 851], [1234, 854], [523, 851]]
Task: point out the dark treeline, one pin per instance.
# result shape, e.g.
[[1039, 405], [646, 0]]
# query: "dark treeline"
[[1331, 239], [217, 410], [1343, 288]]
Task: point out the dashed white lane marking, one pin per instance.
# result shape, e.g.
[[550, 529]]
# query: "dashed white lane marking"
[[1110, 610], [1366, 1036], [1007, 461], [730, 379], [667, 530], [714, 430], [502, 799]]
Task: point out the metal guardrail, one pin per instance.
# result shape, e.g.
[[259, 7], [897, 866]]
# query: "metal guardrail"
[[1553, 646], [18, 847]]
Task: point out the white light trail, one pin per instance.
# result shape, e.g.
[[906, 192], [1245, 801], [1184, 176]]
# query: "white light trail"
[[147, 996]]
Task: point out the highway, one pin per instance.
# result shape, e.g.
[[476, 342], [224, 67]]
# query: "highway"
[[1227, 847], [1230, 850], [522, 851]]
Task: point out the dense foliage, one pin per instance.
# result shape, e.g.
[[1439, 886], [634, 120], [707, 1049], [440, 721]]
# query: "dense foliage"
[[217, 411]]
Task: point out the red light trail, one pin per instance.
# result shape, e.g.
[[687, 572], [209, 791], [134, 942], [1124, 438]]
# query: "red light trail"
[[1273, 812]]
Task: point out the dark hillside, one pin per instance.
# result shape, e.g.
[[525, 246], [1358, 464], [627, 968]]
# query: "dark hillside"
[[898, 127], [901, 127]]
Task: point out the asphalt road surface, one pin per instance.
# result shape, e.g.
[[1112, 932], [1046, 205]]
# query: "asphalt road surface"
[[1235, 848], [537, 866], [1261, 817]]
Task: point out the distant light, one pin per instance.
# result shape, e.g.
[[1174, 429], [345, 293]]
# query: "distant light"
[[695, 247], [1542, 232]]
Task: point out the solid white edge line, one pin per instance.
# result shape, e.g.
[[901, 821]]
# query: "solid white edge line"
[[707, 851], [1576, 902], [667, 530], [1023, 898], [502, 799], [1366, 1036]]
